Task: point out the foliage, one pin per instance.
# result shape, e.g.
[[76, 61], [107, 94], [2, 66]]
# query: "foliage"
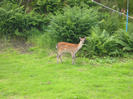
[[15, 22], [110, 22], [100, 42], [46, 22], [72, 24], [47, 6], [125, 40], [119, 4]]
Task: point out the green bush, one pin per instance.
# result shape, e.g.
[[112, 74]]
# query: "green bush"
[[125, 40], [72, 24], [47, 6], [15, 22], [81, 3], [110, 23], [100, 43], [51, 21], [76, 22]]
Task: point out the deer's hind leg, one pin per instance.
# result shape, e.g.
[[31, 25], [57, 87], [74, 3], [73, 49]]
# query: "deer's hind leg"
[[73, 58], [59, 57]]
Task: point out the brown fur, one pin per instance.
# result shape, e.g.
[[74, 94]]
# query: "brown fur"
[[64, 47]]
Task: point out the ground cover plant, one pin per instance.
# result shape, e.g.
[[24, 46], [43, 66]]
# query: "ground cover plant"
[[34, 76]]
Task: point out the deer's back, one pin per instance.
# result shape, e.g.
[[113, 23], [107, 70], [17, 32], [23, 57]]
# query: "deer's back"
[[66, 47]]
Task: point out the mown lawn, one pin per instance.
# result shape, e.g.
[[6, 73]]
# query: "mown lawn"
[[33, 76]]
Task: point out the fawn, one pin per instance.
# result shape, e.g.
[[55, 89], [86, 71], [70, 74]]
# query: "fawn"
[[64, 47]]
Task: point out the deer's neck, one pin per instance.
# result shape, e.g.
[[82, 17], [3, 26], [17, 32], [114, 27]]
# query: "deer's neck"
[[80, 45]]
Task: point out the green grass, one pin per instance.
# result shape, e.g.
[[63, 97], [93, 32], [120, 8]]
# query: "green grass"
[[37, 76]]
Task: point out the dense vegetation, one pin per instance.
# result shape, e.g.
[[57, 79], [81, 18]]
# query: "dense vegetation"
[[45, 22]]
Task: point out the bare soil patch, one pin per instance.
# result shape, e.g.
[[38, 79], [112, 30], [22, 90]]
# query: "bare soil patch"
[[19, 45]]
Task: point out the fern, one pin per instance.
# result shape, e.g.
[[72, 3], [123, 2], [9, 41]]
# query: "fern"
[[125, 40]]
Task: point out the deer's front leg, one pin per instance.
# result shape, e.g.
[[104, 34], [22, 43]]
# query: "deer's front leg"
[[57, 58]]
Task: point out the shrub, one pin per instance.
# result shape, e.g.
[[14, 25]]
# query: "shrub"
[[78, 22], [110, 22], [15, 22], [100, 43], [47, 6], [72, 24], [81, 3], [125, 40]]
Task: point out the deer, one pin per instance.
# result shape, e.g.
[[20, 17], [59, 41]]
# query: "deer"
[[65, 47]]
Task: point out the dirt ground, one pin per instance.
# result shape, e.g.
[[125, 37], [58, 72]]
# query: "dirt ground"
[[20, 45]]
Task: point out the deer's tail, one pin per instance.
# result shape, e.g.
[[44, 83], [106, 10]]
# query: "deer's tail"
[[56, 46]]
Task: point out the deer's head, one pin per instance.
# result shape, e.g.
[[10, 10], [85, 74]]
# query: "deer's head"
[[82, 40]]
